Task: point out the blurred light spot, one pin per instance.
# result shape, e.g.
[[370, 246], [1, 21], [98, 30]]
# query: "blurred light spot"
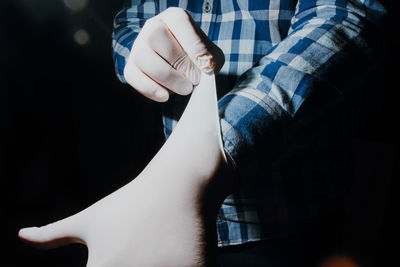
[[339, 261], [76, 5], [81, 37]]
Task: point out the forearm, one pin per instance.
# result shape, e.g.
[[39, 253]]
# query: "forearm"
[[269, 95]]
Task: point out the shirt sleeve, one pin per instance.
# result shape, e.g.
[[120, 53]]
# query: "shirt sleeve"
[[127, 25], [273, 90]]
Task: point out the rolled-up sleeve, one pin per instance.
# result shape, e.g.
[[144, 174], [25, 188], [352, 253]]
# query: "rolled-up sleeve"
[[276, 87]]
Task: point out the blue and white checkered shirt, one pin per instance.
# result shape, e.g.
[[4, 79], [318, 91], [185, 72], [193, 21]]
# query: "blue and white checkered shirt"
[[275, 50]]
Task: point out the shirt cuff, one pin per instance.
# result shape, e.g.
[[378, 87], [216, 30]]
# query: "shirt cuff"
[[236, 149]]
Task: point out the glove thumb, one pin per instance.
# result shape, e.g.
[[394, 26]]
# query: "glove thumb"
[[53, 235]]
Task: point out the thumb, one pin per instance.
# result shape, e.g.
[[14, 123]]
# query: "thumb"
[[53, 235], [201, 50]]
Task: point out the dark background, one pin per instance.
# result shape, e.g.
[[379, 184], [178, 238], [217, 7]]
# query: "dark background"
[[71, 133]]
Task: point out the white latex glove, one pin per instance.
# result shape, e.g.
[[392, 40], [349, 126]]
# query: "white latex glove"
[[166, 216], [169, 54]]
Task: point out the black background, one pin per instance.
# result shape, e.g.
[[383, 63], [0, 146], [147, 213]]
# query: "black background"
[[71, 133]]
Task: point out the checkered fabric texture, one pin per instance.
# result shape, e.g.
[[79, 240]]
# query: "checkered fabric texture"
[[275, 51]]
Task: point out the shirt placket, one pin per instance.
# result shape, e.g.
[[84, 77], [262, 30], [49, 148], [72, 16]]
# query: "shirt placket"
[[208, 17]]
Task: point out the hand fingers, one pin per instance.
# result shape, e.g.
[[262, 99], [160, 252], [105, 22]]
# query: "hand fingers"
[[185, 31], [216, 52], [161, 72], [163, 42], [170, 53], [53, 235], [143, 84]]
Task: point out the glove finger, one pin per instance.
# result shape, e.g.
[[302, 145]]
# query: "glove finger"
[[163, 42], [144, 84], [53, 235], [185, 31], [155, 67]]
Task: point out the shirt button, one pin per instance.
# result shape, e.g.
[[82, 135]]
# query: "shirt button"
[[207, 7]]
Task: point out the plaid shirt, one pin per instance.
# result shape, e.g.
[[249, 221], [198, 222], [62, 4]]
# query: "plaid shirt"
[[275, 51]]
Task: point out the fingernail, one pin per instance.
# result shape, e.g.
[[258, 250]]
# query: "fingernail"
[[206, 62], [162, 95]]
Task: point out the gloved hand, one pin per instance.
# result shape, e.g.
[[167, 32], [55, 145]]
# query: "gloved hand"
[[169, 54]]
